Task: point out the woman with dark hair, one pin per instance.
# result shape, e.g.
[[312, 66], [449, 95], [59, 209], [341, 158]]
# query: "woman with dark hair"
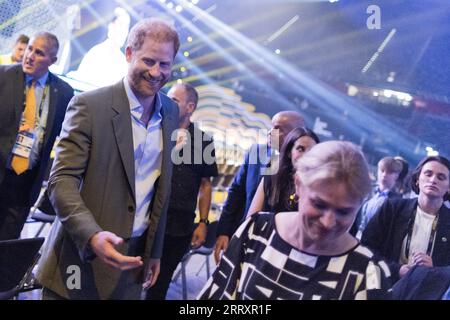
[[276, 193], [410, 232]]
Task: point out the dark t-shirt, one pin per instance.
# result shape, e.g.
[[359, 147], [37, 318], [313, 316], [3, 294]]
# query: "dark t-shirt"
[[186, 180]]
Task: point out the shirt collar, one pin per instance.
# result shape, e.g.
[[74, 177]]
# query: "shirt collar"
[[135, 105], [40, 81], [384, 193], [133, 101]]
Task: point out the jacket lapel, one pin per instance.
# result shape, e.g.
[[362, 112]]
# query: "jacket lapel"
[[408, 214], [168, 126], [123, 132], [53, 91], [18, 95], [411, 208], [443, 229]]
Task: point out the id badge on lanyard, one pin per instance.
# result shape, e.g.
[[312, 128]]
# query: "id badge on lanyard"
[[24, 144]]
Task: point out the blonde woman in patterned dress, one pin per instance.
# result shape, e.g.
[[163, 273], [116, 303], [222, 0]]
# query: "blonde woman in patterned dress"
[[309, 253]]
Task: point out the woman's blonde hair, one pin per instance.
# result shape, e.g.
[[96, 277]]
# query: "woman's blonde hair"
[[339, 161]]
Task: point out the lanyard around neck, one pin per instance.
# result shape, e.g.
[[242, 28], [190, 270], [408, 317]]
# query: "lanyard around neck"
[[430, 240]]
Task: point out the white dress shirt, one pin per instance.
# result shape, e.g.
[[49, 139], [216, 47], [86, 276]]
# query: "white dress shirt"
[[147, 145]]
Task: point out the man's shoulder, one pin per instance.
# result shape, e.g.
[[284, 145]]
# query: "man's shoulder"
[[169, 110], [257, 155], [258, 146], [399, 208], [167, 103], [259, 149], [392, 194], [194, 129], [10, 75], [10, 68], [96, 100], [401, 202], [102, 92], [60, 82]]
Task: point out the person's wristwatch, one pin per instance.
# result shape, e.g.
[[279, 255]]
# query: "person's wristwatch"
[[205, 221]]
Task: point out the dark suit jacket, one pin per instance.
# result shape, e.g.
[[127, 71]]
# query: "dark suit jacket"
[[359, 216], [422, 283], [242, 190], [12, 85], [92, 188], [388, 228]]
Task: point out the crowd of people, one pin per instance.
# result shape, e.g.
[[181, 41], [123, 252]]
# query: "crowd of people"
[[302, 219]]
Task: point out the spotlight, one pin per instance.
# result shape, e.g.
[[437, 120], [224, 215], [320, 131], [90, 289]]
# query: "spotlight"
[[391, 77], [408, 98], [352, 90], [194, 1], [277, 51], [387, 93], [179, 81], [170, 5], [178, 8], [186, 54], [431, 152], [189, 39]]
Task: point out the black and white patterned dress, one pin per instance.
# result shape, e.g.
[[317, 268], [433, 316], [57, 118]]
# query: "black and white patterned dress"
[[259, 264]]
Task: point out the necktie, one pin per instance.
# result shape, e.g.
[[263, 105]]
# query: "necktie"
[[20, 164]]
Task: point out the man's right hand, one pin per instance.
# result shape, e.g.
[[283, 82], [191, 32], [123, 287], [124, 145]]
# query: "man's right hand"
[[221, 245], [103, 243]]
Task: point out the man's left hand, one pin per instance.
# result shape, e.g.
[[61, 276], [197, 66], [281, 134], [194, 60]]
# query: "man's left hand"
[[199, 236], [151, 273]]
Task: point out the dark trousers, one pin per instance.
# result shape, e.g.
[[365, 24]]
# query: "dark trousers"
[[173, 251], [129, 286], [15, 192], [47, 294]]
